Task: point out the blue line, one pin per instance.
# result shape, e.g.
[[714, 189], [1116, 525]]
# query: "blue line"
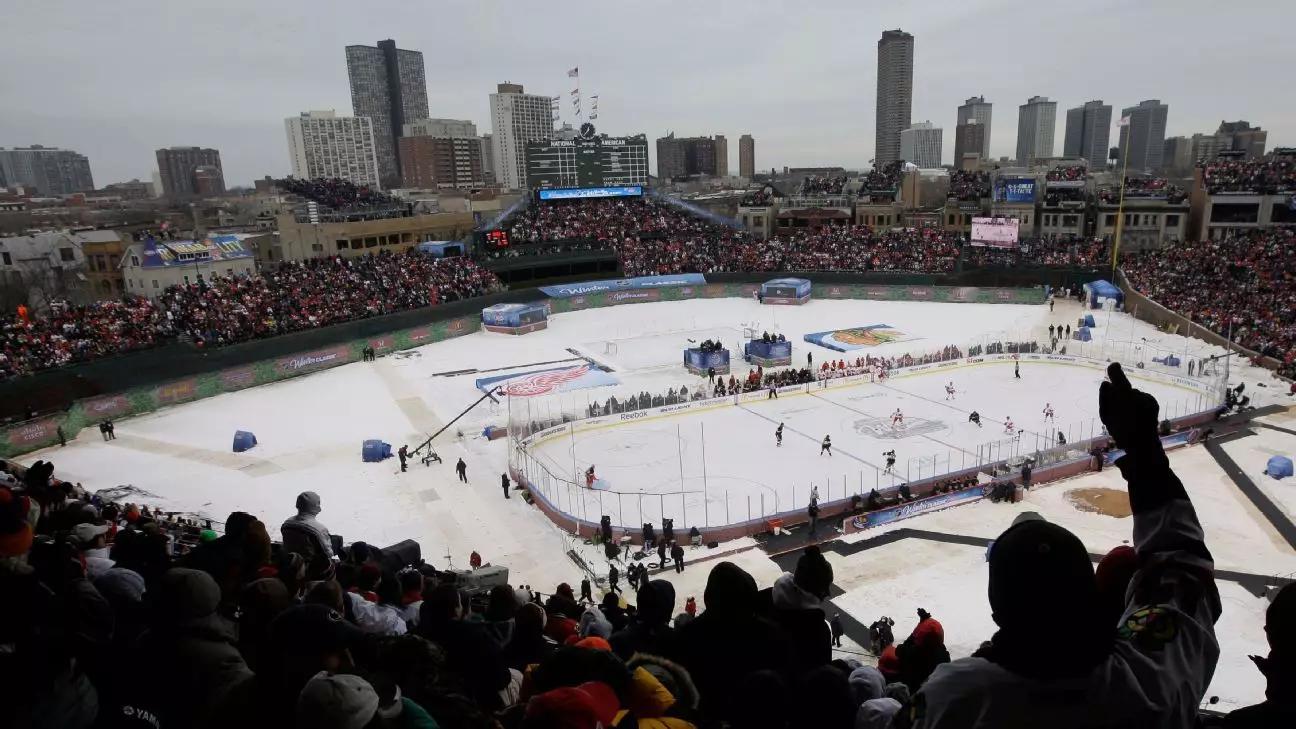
[[812, 439], [870, 415]]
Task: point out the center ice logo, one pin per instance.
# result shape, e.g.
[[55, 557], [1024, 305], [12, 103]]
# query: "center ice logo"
[[882, 429]]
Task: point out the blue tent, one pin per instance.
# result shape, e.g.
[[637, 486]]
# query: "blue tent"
[[243, 440], [375, 450], [1103, 290], [1279, 467], [1083, 334]]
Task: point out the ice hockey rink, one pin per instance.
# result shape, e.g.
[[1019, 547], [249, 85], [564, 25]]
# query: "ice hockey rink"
[[311, 428]]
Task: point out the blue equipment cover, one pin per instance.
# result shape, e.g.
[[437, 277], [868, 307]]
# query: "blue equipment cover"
[[375, 450], [243, 440], [1083, 334], [1089, 320], [1279, 467]]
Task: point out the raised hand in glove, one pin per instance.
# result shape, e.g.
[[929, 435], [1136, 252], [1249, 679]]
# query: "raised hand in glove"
[[1130, 415]]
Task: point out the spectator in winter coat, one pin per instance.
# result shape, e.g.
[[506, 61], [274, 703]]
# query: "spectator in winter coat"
[[1055, 660], [305, 535], [304, 640], [470, 651], [563, 602], [1279, 669], [92, 541], [729, 641], [922, 651], [185, 665], [529, 644], [649, 631], [825, 700], [795, 604]]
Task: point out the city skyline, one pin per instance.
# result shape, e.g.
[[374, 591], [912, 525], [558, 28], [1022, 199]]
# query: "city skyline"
[[815, 108]]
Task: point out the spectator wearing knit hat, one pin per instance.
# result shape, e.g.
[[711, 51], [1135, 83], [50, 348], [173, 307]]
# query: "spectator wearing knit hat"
[[795, 604], [1055, 660]]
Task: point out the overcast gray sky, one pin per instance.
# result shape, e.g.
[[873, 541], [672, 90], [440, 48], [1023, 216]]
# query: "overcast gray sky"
[[117, 80]]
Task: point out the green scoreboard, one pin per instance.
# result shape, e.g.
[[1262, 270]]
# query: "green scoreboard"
[[588, 160]]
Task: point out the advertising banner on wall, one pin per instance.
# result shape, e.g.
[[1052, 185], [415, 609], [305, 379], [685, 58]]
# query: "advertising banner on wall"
[[642, 282]]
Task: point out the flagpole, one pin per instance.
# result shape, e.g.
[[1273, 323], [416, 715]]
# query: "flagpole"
[[1120, 205]]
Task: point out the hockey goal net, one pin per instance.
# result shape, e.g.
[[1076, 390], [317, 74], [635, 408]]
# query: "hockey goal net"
[[609, 348]]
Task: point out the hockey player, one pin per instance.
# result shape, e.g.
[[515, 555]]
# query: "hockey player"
[[975, 417], [778, 436], [897, 419], [1017, 370], [826, 446], [589, 477], [1048, 413], [814, 494], [891, 459], [1009, 428], [949, 391]]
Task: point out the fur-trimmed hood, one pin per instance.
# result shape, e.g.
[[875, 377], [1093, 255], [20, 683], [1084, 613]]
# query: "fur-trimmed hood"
[[672, 675]]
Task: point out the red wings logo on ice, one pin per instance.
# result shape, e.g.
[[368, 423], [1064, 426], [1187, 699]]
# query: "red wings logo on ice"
[[542, 383]]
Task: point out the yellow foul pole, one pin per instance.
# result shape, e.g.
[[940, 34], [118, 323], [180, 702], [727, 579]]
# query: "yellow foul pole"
[[1120, 206]]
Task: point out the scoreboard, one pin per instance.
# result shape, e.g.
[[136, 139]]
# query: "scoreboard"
[[589, 160]]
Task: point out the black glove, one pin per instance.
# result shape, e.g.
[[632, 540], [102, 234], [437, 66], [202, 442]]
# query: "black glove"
[[1130, 415], [923, 614]]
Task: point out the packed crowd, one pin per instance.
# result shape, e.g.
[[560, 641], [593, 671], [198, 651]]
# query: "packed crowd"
[[107, 622], [1144, 187], [544, 249], [882, 179], [1268, 175], [1073, 173], [855, 248], [224, 310], [1242, 284], [318, 292], [969, 185], [337, 193], [822, 185], [71, 334], [758, 198], [1054, 196], [1051, 251]]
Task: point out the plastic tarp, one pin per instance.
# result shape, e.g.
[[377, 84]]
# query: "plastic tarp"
[[375, 450], [1083, 334], [1279, 467], [243, 440], [1089, 320]]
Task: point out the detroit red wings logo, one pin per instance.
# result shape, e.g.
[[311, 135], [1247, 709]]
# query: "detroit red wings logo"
[[542, 383]]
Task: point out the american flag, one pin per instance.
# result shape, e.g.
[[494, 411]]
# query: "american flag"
[[542, 383]]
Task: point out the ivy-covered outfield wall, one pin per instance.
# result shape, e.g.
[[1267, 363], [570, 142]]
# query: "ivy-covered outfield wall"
[[41, 432]]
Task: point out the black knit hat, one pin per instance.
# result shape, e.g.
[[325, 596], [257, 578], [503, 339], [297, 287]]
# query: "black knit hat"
[[813, 573], [1039, 572]]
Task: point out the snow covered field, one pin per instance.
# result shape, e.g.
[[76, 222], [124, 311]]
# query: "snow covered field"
[[310, 431]]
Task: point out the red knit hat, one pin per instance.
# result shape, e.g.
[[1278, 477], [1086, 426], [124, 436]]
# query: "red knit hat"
[[15, 532]]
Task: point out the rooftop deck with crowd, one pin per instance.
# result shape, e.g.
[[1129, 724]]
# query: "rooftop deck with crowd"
[[1269, 175]]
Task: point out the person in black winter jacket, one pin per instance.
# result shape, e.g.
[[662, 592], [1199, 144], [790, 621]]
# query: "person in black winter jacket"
[[187, 663], [1279, 669], [470, 651], [795, 604], [729, 641], [649, 630], [529, 644]]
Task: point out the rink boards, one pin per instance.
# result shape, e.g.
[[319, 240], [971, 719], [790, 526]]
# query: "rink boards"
[[606, 421]]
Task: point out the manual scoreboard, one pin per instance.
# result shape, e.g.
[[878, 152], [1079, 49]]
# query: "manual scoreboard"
[[587, 160]]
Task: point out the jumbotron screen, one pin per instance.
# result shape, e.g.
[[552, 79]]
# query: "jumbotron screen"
[[996, 232]]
